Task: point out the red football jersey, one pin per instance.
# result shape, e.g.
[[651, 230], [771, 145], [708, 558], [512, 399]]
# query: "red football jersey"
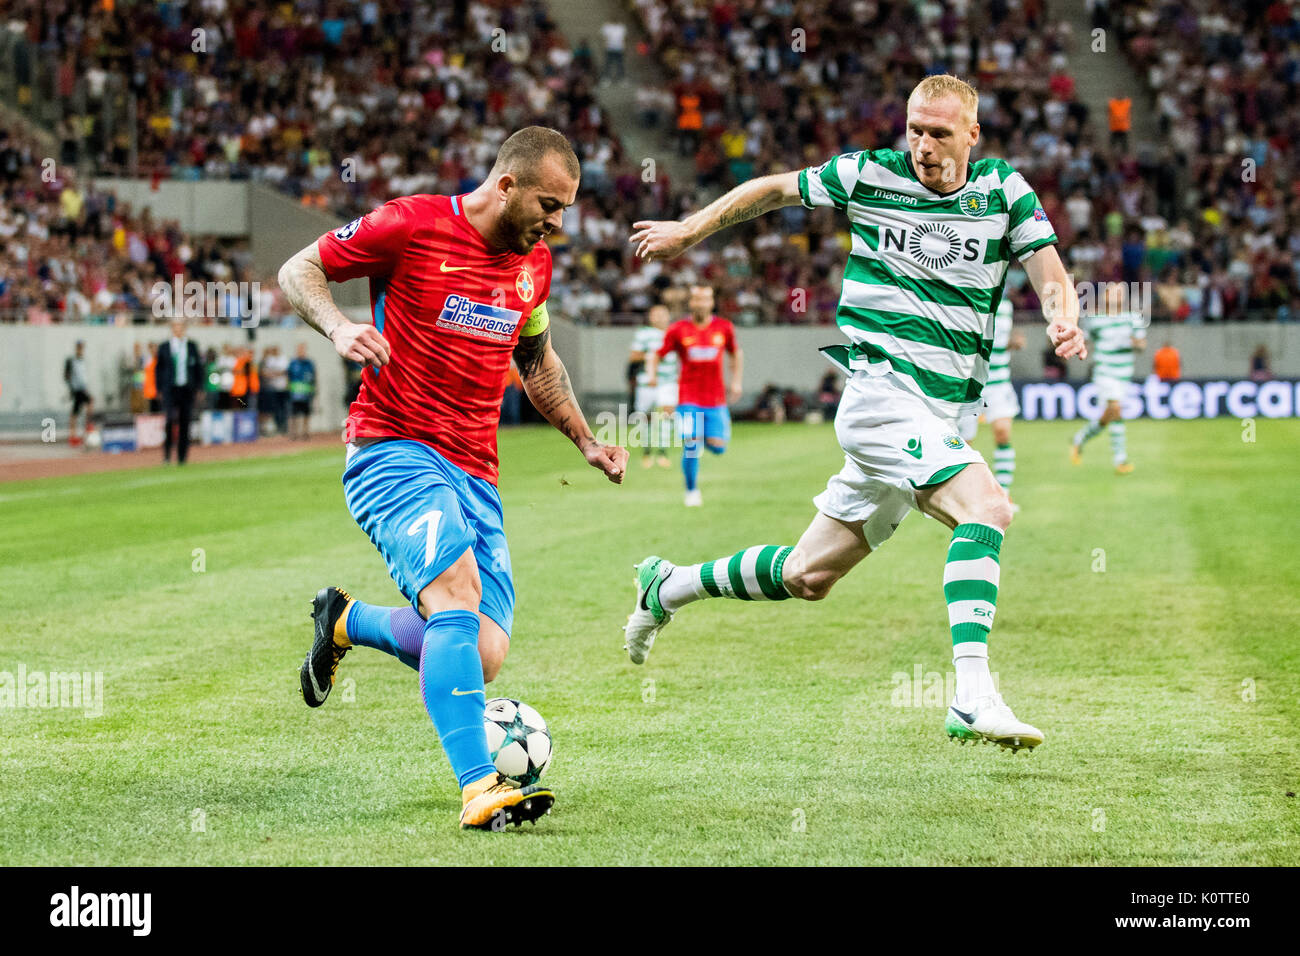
[[451, 310], [700, 381]]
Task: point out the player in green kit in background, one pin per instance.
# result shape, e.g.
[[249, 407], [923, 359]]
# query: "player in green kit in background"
[[656, 402], [932, 238], [1116, 332], [1000, 402]]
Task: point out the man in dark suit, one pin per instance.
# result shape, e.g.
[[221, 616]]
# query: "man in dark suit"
[[180, 376]]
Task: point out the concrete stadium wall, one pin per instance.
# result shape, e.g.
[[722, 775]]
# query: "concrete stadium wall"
[[208, 208], [275, 225], [280, 227], [31, 365]]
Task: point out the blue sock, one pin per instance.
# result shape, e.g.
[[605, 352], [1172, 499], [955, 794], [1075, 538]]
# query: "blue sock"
[[451, 680], [716, 449], [394, 630], [691, 464]]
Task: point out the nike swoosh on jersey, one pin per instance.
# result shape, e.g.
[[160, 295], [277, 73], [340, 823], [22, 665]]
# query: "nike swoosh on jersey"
[[457, 692], [447, 268]]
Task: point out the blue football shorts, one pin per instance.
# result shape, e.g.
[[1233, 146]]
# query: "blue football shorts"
[[701, 421], [421, 512]]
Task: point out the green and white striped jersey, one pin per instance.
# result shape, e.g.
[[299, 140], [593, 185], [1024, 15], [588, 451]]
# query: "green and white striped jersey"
[[647, 340], [925, 272], [1112, 343], [1000, 358]]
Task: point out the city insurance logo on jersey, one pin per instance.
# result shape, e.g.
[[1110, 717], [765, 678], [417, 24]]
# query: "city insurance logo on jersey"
[[462, 314]]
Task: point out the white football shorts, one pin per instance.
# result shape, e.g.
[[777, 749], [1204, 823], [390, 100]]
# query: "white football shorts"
[[893, 444]]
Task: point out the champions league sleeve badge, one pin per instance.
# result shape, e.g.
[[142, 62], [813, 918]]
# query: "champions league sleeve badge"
[[348, 231]]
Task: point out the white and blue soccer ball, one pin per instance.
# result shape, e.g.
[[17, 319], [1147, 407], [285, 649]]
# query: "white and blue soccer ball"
[[518, 740]]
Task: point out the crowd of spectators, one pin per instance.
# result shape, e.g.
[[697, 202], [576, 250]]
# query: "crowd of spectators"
[[345, 105], [1207, 215], [71, 253], [1224, 77]]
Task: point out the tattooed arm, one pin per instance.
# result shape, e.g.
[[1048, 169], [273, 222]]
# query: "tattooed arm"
[[303, 281], [668, 240], [548, 388]]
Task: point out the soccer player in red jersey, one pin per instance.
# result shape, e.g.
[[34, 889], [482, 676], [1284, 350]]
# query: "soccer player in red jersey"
[[700, 342], [458, 284]]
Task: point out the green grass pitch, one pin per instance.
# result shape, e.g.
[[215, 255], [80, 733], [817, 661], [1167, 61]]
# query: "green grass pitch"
[[1147, 624]]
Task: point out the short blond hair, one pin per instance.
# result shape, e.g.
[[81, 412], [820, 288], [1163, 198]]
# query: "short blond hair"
[[945, 84]]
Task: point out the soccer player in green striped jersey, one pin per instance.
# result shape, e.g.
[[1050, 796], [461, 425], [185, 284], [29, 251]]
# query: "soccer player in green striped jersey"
[[932, 237], [657, 401], [1116, 332], [1000, 402]]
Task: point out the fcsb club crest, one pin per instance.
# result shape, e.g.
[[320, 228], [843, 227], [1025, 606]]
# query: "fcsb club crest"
[[524, 285], [974, 204]]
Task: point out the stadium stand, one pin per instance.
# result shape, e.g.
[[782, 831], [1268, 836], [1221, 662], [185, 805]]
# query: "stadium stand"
[[72, 253], [345, 105]]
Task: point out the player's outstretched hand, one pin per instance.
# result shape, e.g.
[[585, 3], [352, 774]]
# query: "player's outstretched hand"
[[611, 459], [360, 343], [660, 239], [1068, 339]]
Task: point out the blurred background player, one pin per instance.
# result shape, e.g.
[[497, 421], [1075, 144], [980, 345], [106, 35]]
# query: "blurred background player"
[[302, 392], [74, 376], [700, 342], [1115, 332], [274, 399], [458, 285], [1000, 402], [656, 402], [933, 237], [512, 396]]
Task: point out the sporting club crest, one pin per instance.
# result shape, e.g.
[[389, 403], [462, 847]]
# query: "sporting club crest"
[[974, 204]]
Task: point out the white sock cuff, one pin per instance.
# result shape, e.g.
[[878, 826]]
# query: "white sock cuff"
[[970, 649]]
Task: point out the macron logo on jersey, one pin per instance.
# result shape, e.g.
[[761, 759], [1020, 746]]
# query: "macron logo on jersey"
[[461, 314]]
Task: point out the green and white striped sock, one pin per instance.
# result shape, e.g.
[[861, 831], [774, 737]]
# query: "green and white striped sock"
[[1004, 465], [1091, 430], [970, 586], [1118, 442], [750, 575]]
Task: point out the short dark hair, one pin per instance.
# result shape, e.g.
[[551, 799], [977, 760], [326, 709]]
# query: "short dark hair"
[[521, 155]]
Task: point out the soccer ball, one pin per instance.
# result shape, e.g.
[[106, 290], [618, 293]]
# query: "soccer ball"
[[518, 740]]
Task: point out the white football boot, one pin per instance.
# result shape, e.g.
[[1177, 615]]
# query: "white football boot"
[[648, 616], [694, 498], [988, 718]]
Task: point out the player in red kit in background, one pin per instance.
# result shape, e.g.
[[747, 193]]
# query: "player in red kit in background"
[[458, 285], [701, 341]]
